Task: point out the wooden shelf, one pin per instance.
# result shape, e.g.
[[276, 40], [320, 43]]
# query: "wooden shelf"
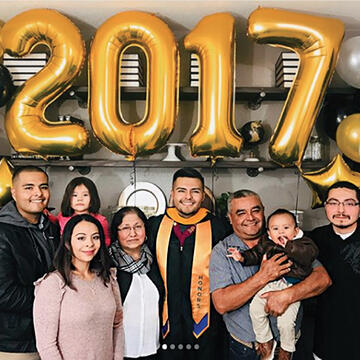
[[191, 93], [220, 164]]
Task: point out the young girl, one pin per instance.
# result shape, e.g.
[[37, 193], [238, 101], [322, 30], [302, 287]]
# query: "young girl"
[[77, 308], [81, 197]]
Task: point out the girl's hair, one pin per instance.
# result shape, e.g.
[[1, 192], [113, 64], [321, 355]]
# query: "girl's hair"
[[119, 217], [100, 264], [94, 207]]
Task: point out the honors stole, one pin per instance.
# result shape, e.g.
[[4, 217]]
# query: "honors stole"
[[200, 286]]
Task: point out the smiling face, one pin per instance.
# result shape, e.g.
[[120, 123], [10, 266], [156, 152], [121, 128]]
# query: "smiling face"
[[85, 243], [30, 191], [247, 218], [282, 228], [80, 200], [131, 234], [342, 216], [187, 194]]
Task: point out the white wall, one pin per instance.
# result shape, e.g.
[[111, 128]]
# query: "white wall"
[[255, 64]]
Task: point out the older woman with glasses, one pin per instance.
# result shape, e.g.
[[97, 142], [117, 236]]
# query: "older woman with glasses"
[[140, 283]]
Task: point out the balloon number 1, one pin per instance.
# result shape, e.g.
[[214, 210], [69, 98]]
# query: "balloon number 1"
[[213, 39], [315, 39]]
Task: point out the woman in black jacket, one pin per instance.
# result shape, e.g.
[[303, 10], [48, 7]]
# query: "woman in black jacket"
[[141, 287]]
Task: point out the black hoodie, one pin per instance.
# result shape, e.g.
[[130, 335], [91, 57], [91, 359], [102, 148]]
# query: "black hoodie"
[[26, 253]]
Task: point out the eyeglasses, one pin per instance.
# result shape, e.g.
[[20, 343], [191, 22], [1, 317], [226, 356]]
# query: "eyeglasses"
[[127, 229], [346, 203]]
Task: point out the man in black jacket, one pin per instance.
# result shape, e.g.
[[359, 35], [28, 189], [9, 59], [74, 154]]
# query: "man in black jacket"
[[338, 311], [182, 240], [27, 245]]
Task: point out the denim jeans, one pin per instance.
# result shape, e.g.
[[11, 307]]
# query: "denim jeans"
[[239, 351]]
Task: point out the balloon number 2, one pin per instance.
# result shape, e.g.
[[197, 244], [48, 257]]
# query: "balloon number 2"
[[315, 39], [26, 126]]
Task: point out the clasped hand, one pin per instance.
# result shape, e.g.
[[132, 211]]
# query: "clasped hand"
[[273, 268]]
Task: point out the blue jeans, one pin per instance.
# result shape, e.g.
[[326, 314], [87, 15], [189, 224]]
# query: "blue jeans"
[[239, 351]]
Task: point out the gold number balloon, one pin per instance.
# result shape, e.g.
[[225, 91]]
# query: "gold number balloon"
[[5, 182], [348, 141], [27, 128], [153, 36], [213, 39], [317, 41], [320, 180]]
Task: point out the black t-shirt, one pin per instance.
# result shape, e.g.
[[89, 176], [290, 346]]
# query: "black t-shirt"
[[338, 308]]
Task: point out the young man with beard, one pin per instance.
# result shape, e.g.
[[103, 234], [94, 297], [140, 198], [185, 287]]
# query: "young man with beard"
[[182, 240], [233, 285], [27, 245], [338, 312]]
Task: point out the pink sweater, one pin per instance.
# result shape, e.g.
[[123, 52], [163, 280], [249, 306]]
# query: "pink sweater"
[[62, 220], [78, 325]]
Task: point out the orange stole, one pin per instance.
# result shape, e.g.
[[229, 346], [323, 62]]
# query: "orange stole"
[[200, 287]]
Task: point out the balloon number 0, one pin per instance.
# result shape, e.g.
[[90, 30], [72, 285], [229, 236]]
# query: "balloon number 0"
[[156, 40], [215, 133], [315, 39]]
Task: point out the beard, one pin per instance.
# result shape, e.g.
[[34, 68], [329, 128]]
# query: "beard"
[[344, 226]]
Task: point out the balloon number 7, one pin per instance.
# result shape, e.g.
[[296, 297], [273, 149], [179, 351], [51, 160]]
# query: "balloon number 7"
[[317, 41]]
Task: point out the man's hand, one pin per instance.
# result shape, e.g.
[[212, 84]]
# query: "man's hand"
[[277, 302], [275, 267]]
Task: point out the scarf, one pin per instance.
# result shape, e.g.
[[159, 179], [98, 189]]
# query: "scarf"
[[125, 262]]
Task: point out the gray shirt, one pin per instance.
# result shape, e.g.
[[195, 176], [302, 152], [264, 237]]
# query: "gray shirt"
[[225, 271]]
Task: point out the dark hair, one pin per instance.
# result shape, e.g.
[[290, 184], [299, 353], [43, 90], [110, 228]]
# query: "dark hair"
[[344, 184], [189, 173], [94, 207], [119, 217], [242, 194], [282, 212], [100, 264], [28, 168]]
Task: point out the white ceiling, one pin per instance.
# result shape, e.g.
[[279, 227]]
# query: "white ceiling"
[[90, 14]]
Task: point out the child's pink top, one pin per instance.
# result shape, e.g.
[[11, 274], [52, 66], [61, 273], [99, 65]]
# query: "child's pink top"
[[62, 220]]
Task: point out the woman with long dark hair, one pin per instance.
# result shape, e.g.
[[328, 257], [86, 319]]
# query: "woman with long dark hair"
[[77, 308], [141, 286]]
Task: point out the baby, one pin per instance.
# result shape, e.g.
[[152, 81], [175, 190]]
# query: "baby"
[[284, 236]]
